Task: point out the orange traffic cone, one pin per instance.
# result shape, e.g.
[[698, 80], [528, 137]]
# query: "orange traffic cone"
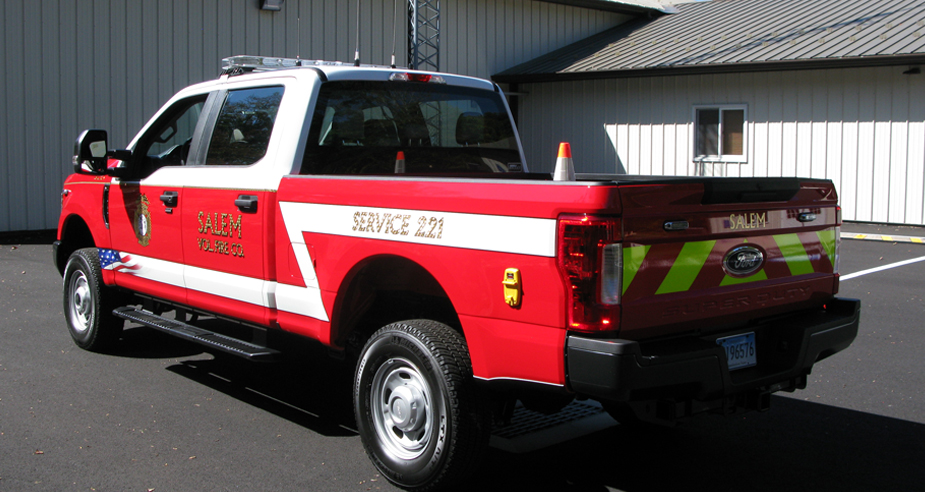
[[400, 163], [565, 168]]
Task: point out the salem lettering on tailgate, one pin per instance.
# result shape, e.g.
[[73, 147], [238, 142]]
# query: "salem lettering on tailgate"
[[220, 224], [752, 220]]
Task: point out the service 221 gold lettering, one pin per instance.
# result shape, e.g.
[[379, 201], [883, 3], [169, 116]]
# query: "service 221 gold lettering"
[[224, 225], [396, 224]]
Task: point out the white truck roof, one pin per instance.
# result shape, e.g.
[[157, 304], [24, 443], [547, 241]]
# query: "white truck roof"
[[235, 66]]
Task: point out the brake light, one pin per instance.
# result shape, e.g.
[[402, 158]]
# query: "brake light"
[[590, 261], [416, 77]]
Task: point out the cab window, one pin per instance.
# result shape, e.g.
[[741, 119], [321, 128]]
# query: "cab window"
[[406, 127], [244, 125], [167, 142]]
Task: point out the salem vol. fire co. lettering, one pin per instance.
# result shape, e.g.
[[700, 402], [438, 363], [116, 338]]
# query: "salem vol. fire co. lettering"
[[220, 224]]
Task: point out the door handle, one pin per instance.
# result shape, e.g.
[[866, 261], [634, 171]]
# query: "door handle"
[[170, 198], [246, 203]]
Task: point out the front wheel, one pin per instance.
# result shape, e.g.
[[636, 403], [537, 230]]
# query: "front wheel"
[[88, 302], [420, 421]]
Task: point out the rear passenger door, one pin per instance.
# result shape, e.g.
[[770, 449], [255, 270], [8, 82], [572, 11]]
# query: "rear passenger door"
[[228, 212]]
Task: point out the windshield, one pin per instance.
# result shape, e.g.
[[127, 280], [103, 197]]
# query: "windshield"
[[406, 127]]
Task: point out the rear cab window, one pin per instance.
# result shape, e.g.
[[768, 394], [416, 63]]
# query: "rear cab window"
[[365, 127], [242, 130]]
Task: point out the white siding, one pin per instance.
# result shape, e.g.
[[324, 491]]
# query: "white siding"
[[75, 64], [862, 128]]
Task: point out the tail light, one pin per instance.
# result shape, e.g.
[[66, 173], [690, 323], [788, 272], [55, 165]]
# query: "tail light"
[[590, 260], [837, 237], [837, 248]]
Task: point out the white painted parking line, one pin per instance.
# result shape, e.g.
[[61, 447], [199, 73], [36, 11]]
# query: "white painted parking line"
[[881, 268]]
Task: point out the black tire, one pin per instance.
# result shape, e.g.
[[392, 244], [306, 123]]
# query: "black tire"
[[88, 303], [421, 422]]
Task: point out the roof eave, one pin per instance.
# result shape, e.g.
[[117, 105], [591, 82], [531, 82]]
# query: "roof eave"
[[616, 7], [666, 71]]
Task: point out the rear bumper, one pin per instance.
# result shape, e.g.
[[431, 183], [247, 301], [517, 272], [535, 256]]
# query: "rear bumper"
[[695, 368]]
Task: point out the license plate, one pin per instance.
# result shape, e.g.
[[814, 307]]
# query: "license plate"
[[740, 351]]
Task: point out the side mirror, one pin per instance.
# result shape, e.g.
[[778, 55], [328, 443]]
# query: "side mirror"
[[90, 152]]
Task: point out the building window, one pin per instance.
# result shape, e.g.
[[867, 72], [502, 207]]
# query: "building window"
[[720, 133]]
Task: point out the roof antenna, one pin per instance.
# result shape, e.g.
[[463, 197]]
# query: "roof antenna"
[[356, 55], [394, 31], [298, 46]]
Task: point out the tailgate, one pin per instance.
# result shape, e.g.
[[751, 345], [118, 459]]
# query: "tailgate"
[[701, 253]]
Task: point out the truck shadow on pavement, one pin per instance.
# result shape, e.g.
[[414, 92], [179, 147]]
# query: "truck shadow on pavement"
[[145, 343], [796, 446], [315, 392]]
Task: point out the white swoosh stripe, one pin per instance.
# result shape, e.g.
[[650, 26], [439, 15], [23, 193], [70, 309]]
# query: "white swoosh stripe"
[[245, 289], [238, 287], [519, 235]]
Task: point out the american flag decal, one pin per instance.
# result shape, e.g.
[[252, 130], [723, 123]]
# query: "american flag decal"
[[117, 262]]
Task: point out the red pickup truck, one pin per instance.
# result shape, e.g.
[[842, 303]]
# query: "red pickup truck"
[[389, 215]]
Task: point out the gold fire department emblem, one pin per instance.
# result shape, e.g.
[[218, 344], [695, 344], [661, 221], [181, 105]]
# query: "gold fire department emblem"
[[143, 221]]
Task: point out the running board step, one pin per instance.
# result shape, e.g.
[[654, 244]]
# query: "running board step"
[[216, 341]]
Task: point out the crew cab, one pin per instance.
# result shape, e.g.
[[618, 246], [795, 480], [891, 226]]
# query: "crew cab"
[[389, 215]]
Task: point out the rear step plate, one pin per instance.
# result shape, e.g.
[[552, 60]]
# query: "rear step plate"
[[192, 333]]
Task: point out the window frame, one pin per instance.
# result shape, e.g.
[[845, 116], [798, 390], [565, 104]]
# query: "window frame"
[[721, 157]]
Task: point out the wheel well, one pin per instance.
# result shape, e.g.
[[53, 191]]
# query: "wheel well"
[[385, 289], [74, 235]]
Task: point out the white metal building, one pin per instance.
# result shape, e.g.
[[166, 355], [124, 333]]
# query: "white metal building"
[[826, 89]]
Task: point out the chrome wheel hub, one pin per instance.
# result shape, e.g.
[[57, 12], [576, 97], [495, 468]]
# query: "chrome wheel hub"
[[81, 302], [406, 407], [402, 408]]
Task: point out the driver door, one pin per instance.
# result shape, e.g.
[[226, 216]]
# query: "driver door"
[[145, 208]]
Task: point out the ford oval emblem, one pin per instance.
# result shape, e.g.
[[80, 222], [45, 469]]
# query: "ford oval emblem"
[[743, 261]]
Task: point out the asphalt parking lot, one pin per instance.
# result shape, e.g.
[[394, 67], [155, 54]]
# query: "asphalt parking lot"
[[161, 415]]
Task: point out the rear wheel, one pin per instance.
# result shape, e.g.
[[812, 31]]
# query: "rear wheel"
[[88, 303], [420, 421]]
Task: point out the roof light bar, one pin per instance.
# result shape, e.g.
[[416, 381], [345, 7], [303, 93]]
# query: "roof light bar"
[[263, 63]]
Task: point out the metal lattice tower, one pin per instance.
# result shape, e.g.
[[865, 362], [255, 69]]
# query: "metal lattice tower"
[[424, 54], [424, 34]]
